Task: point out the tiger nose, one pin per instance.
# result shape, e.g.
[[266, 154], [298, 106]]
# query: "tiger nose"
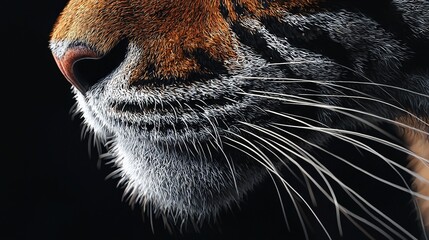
[[67, 62], [84, 67]]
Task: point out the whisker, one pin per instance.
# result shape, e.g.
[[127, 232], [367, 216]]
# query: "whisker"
[[213, 125], [331, 108], [293, 63], [369, 99], [342, 159], [332, 132], [373, 207], [254, 149], [330, 84], [386, 86], [348, 190], [387, 143], [281, 200], [230, 165], [303, 155], [285, 165], [312, 197], [312, 103], [352, 165], [264, 160], [355, 72], [369, 137]]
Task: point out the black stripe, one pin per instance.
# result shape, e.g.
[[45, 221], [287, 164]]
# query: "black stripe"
[[206, 62], [238, 8], [390, 18], [265, 3], [384, 12], [314, 39], [209, 69], [223, 10], [257, 43]]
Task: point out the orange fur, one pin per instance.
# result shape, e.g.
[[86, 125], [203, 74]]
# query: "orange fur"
[[164, 30], [418, 143]]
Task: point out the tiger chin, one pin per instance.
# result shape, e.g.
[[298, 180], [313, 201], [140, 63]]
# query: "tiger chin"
[[199, 101]]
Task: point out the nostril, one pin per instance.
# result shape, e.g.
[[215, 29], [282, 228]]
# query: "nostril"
[[89, 70], [84, 67], [67, 61]]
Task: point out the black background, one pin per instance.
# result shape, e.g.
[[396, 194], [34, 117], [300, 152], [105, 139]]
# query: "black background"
[[53, 188]]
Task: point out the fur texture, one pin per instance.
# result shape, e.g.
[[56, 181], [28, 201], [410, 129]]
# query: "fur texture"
[[207, 97]]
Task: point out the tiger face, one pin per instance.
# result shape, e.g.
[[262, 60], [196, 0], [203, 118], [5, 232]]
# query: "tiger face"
[[199, 101]]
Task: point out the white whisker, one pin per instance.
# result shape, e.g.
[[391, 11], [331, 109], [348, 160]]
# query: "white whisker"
[[264, 160], [370, 99], [342, 110], [334, 133], [230, 165], [281, 159], [369, 82], [301, 154], [281, 200], [353, 165], [386, 86], [329, 84], [294, 62], [348, 191]]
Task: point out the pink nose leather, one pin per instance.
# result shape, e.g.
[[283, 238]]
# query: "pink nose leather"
[[67, 61]]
